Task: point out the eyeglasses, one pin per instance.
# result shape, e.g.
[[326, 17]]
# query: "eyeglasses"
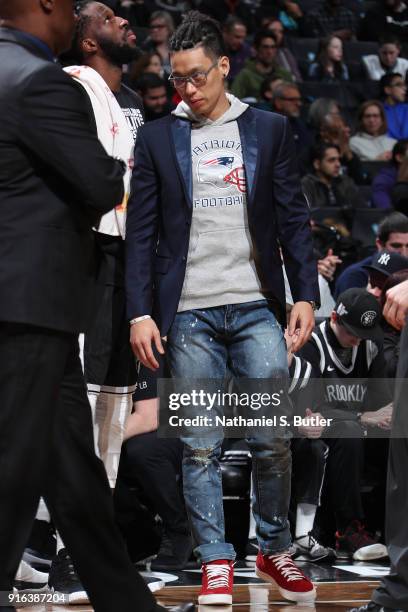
[[293, 99], [198, 79], [398, 245]]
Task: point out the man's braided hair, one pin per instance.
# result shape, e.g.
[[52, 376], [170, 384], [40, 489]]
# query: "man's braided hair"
[[82, 23], [195, 30]]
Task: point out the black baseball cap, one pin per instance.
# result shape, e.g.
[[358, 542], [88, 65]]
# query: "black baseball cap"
[[387, 262], [360, 313]]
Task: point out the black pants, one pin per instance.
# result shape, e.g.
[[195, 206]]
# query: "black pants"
[[309, 459], [47, 448], [393, 592], [344, 473], [154, 465], [108, 357]]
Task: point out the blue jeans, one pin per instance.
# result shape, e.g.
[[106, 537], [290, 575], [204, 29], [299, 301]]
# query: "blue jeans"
[[201, 343]]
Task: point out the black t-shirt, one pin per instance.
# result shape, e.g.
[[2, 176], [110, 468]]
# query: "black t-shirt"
[[132, 107], [351, 377]]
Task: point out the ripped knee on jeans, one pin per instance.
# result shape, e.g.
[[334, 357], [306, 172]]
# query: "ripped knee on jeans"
[[202, 456]]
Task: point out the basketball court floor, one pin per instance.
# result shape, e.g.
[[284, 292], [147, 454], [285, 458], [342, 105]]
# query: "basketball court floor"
[[340, 586]]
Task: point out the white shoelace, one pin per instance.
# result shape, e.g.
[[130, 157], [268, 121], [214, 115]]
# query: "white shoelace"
[[218, 576], [286, 567]]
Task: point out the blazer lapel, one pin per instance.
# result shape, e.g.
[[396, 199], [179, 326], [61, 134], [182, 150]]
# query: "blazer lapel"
[[248, 135], [181, 133]]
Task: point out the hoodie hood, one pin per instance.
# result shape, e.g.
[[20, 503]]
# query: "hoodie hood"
[[183, 111]]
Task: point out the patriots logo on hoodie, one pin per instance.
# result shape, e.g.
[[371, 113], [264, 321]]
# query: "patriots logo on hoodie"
[[222, 172]]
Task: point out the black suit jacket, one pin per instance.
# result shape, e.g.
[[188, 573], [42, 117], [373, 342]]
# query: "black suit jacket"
[[160, 212], [55, 182]]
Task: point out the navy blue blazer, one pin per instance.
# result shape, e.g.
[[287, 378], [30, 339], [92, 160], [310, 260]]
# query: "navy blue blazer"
[[160, 212]]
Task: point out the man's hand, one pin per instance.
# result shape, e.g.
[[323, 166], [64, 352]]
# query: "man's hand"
[[379, 418], [327, 266], [142, 335], [384, 156], [301, 324], [396, 305], [312, 431]]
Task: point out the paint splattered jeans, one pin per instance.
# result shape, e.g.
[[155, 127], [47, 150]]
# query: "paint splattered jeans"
[[248, 340]]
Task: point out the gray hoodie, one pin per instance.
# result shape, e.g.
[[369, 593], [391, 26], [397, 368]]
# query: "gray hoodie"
[[220, 263]]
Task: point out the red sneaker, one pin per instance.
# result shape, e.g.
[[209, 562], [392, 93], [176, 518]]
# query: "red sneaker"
[[282, 571], [218, 579]]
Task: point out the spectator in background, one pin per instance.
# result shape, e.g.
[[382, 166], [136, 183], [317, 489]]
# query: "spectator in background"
[[161, 27], [148, 63], [346, 348], [268, 88], [287, 101], [325, 186], [321, 108], [371, 142], [234, 32], [284, 57], [247, 83], [329, 66], [154, 95], [331, 17], [392, 235], [388, 17], [399, 194], [334, 130], [386, 61], [380, 268], [394, 91], [287, 11], [222, 9], [386, 179]]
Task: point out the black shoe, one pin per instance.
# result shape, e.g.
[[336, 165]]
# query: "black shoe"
[[373, 607], [352, 539], [174, 553], [41, 546], [64, 580], [308, 548]]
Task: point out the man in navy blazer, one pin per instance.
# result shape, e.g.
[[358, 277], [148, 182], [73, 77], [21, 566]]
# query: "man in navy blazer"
[[215, 200]]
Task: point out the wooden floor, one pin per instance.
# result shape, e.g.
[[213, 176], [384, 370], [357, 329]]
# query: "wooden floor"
[[332, 596]]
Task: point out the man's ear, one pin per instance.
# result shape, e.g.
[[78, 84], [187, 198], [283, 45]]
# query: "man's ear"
[[89, 46], [316, 164], [224, 65], [47, 5]]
